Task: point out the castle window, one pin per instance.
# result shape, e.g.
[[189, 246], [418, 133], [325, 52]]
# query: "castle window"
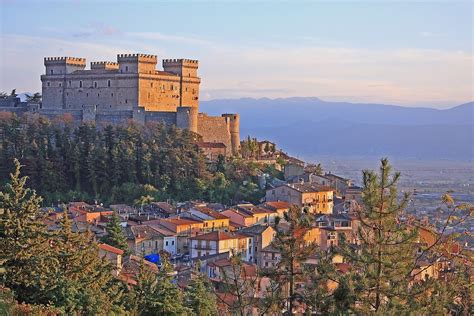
[[60, 85], [172, 88], [48, 83], [98, 95], [51, 71], [126, 68], [67, 94], [80, 84], [69, 82], [151, 84], [95, 84], [108, 83], [126, 101], [148, 95], [87, 94], [112, 94]]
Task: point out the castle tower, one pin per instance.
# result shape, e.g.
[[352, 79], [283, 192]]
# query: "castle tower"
[[137, 63], [186, 69], [187, 117], [233, 122], [54, 80]]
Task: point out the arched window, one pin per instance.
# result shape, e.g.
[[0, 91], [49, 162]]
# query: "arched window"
[[108, 83]]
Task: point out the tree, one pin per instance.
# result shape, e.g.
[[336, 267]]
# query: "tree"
[[80, 280], [291, 242], [385, 262], [23, 237], [199, 296], [169, 298], [115, 236], [238, 286]]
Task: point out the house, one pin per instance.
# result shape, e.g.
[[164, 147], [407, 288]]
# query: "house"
[[147, 239], [335, 227], [316, 198], [339, 184], [182, 228], [249, 214], [219, 242], [164, 209], [270, 257], [353, 193], [212, 151], [212, 220], [292, 170], [280, 207], [261, 237], [113, 255]]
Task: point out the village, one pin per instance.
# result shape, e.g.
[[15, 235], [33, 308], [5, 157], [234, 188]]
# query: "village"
[[206, 236]]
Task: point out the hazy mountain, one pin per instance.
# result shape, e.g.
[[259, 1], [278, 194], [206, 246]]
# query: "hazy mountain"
[[310, 126]]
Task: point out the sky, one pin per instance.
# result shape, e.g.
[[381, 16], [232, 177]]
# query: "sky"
[[411, 53]]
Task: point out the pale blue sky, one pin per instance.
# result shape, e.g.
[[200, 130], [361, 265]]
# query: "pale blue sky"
[[400, 52]]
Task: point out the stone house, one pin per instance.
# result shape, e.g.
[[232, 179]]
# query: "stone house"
[[219, 242], [316, 198], [261, 237]]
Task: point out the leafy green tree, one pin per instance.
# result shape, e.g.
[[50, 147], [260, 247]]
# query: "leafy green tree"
[[199, 295], [115, 236]]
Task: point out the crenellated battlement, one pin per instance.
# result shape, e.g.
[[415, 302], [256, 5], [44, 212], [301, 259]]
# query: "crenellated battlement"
[[180, 60], [104, 65], [137, 58], [65, 61]]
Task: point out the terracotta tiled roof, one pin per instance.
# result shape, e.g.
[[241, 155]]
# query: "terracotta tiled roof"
[[278, 205], [111, 249]]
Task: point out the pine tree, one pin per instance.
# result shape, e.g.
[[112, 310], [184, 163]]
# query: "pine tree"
[[115, 236], [384, 261], [199, 296]]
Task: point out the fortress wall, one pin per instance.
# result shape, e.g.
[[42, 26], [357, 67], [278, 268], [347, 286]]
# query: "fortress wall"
[[114, 117], [52, 113], [214, 129], [165, 117]]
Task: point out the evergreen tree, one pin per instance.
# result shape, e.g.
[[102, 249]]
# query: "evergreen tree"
[[23, 237], [169, 296], [384, 261], [199, 296], [80, 281], [115, 236]]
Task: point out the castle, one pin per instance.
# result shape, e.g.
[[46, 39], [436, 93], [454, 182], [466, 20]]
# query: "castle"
[[131, 88]]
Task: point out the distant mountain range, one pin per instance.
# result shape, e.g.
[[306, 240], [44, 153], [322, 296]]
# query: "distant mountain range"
[[309, 127]]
